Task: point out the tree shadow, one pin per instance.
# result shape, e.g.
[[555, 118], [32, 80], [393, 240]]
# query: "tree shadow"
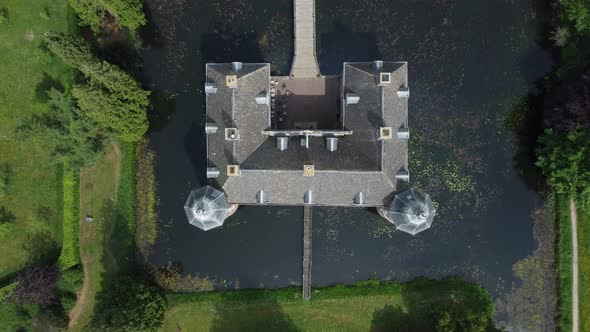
[[390, 318], [150, 33], [6, 216], [41, 248], [256, 313], [344, 45], [47, 83], [525, 120], [468, 307], [163, 105]]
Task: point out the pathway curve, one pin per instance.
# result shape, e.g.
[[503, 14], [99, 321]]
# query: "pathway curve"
[[575, 279]]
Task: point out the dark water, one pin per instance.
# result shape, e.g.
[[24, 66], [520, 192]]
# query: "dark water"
[[470, 63]]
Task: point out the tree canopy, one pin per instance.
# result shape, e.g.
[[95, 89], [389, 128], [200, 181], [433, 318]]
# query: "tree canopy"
[[36, 285], [69, 136], [565, 161], [110, 97], [130, 305], [129, 13], [578, 12]]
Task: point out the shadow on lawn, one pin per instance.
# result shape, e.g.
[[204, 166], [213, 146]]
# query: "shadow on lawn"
[[254, 314], [452, 303]]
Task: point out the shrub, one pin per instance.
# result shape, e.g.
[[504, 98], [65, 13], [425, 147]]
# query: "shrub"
[[4, 179], [36, 285], [170, 276], [70, 251], [147, 217], [129, 13], [565, 161], [68, 301], [71, 280]]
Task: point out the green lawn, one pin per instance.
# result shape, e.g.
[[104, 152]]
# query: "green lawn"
[[564, 263], [33, 198], [106, 244], [584, 266], [372, 306]]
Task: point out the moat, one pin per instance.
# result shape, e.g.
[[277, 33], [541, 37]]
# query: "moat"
[[470, 62]]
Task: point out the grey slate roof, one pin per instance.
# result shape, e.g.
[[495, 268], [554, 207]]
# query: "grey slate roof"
[[361, 163]]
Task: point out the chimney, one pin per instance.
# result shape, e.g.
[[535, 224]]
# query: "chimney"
[[261, 197], [359, 198], [377, 65], [282, 143], [236, 66], [308, 197], [331, 143]]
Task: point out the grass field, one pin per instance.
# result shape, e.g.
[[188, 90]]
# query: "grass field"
[[564, 263], [106, 244], [98, 194], [33, 195], [372, 306], [584, 261]]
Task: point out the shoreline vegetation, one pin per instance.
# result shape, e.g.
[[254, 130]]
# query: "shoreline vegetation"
[[563, 151]]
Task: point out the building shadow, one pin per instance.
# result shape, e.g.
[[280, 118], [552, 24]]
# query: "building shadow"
[[344, 45], [162, 105], [224, 45], [255, 313], [195, 148]]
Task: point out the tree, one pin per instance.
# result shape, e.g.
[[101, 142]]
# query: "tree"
[[36, 285], [577, 11], [70, 136], [129, 13], [130, 305], [565, 161], [110, 97]]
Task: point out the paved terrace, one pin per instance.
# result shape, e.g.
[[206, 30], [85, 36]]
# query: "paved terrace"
[[305, 64]]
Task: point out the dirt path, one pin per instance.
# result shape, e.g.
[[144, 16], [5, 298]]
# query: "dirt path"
[[575, 278], [98, 187]]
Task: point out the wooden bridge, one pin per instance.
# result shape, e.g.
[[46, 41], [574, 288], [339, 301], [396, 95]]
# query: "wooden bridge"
[[305, 63], [307, 252]]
